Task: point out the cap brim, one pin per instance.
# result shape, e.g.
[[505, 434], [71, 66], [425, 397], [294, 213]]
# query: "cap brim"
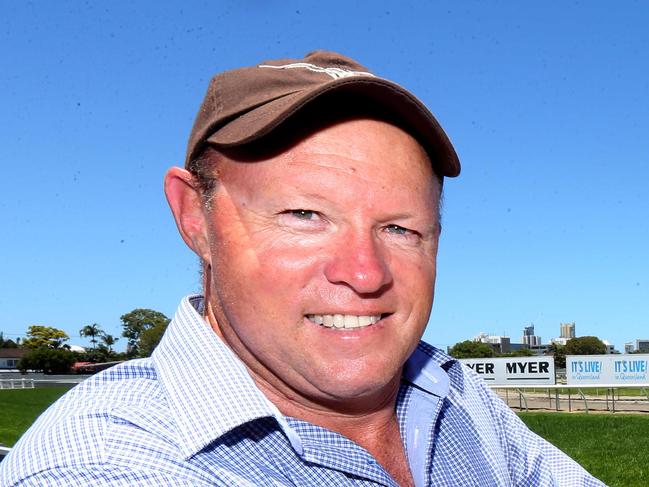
[[262, 120]]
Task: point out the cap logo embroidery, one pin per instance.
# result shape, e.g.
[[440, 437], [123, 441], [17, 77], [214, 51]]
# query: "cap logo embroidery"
[[335, 73]]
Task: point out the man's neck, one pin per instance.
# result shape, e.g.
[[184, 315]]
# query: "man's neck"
[[375, 428], [352, 418]]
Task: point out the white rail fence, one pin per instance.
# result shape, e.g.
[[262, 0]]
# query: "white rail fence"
[[562, 397], [21, 383]]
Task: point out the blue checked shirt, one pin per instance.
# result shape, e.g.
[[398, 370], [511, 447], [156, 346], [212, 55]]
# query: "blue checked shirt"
[[192, 416]]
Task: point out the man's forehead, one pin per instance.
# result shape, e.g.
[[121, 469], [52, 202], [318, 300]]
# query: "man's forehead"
[[333, 159], [320, 127], [352, 139], [330, 137]]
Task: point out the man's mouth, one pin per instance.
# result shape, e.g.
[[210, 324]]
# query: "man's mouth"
[[344, 321]]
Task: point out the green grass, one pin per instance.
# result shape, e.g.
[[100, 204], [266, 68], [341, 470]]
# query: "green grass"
[[20, 407], [612, 447]]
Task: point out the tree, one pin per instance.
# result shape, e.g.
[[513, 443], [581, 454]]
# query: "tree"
[[471, 349], [102, 352], [109, 341], [39, 336], [91, 331], [7, 343], [150, 339], [558, 351], [587, 345], [94, 355], [48, 360], [138, 321]]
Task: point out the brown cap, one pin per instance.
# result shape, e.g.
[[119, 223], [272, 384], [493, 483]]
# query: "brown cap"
[[243, 105]]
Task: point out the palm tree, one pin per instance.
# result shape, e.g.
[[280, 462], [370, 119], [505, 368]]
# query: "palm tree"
[[109, 341], [91, 331]]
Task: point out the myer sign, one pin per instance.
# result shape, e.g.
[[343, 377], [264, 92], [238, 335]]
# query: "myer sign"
[[514, 370], [607, 369]]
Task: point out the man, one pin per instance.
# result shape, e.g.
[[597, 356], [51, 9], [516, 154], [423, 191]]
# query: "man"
[[311, 195]]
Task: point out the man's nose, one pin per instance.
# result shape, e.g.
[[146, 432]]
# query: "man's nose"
[[359, 262]]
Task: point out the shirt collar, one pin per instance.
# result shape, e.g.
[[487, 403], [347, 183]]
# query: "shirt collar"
[[208, 388], [426, 369]]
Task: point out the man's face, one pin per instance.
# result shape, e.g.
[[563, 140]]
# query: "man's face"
[[323, 260]]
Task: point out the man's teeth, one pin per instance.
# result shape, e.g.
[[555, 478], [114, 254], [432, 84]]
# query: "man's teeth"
[[344, 321]]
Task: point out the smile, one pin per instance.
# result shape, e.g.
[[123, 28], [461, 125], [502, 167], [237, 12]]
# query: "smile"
[[344, 321]]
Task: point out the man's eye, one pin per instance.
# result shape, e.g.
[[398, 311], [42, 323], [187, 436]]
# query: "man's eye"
[[398, 230], [302, 220], [303, 214]]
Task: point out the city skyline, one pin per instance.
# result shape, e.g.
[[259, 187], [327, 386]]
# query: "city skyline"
[[557, 338]]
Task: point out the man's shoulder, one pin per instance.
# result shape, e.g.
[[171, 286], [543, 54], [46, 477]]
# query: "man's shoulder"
[[123, 403], [133, 383]]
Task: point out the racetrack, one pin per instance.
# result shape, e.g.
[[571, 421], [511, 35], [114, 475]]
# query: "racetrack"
[[549, 400]]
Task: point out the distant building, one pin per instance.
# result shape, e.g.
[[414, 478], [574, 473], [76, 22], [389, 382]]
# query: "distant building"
[[610, 348], [494, 341], [500, 344], [566, 333], [568, 330], [529, 338], [638, 345], [9, 357]]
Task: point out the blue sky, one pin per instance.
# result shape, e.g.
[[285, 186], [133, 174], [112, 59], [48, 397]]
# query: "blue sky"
[[546, 103]]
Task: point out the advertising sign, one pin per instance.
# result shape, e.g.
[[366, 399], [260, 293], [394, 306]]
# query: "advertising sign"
[[524, 371], [627, 369]]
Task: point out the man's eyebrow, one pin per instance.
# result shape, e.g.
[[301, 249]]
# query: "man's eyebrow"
[[310, 194], [403, 216]]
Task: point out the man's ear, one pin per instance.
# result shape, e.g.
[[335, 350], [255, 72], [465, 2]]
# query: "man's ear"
[[186, 204]]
